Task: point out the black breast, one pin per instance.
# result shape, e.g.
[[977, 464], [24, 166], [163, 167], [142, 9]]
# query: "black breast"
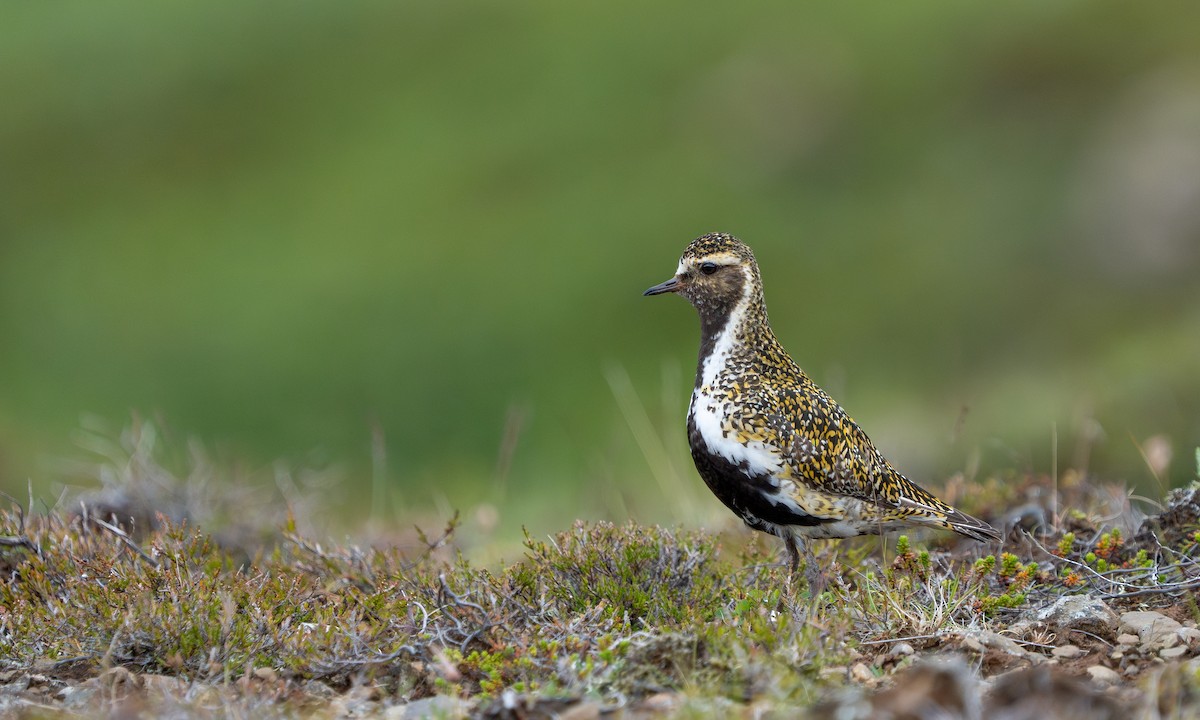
[[751, 497]]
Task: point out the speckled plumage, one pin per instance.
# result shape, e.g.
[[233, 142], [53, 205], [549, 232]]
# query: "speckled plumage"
[[769, 443]]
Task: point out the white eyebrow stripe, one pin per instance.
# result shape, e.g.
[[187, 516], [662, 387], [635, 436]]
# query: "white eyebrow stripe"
[[681, 268]]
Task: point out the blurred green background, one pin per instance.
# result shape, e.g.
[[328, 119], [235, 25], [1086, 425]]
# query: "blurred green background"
[[290, 228]]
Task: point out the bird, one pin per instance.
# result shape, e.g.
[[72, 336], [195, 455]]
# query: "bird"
[[772, 446]]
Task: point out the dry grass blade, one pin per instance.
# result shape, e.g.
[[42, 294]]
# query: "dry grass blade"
[[126, 541]]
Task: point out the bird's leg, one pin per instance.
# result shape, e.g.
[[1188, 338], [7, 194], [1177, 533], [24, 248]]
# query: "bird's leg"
[[812, 573]]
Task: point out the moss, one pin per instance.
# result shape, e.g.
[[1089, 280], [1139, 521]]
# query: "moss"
[[1065, 543], [638, 576]]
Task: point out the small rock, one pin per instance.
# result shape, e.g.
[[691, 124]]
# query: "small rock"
[[318, 689], [1067, 652], [978, 640], [1171, 653], [1079, 612], [832, 672], [439, 706], [77, 696], [860, 673], [660, 703], [902, 649], [581, 711], [1153, 628], [1116, 655], [1127, 639], [1189, 635], [166, 686], [1104, 675]]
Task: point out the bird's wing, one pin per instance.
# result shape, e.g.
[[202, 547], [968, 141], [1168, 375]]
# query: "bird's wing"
[[826, 451]]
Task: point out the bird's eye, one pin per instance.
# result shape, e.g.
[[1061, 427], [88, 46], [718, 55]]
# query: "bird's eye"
[[708, 268]]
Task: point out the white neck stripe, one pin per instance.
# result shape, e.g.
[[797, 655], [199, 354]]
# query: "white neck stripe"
[[724, 342], [709, 411]]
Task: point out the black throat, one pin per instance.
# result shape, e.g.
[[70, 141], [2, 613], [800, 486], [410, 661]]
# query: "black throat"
[[715, 307]]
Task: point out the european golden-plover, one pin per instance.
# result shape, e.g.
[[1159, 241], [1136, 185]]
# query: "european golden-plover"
[[769, 443]]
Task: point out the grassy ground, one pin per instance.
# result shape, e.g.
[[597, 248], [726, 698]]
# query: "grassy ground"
[[112, 604]]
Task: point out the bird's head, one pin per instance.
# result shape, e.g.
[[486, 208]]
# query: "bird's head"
[[715, 273]]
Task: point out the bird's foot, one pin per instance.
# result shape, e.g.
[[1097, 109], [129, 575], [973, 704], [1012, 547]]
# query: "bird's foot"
[[816, 580]]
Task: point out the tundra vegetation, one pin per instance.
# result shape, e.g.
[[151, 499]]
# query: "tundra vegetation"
[[107, 603]]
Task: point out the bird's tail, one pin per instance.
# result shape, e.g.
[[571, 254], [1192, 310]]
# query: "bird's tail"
[[964, 524], [932, 511]]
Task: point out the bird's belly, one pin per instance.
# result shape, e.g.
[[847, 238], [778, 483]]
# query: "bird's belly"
[[847, 517]]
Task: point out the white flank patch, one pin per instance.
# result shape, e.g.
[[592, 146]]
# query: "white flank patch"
[[708, 411], [852, 524], [839, 529]]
